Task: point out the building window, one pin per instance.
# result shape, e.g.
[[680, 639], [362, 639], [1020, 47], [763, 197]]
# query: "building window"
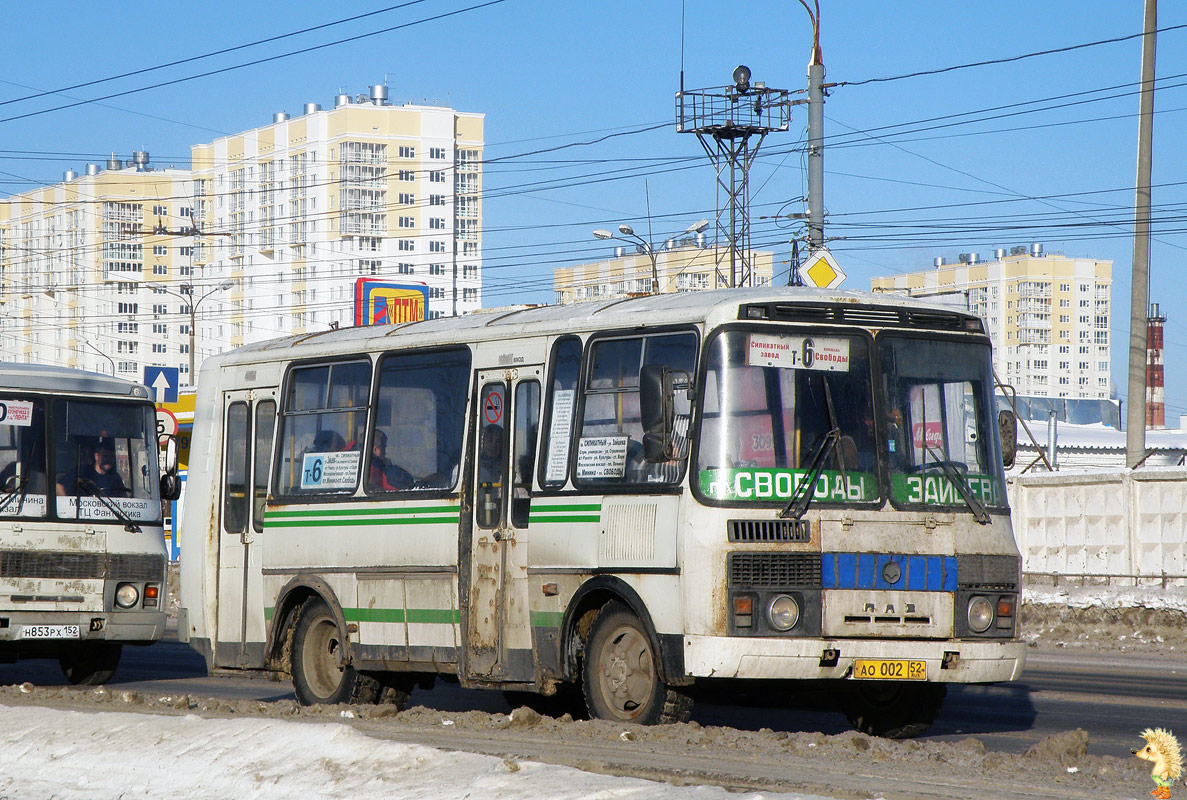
[[158, 348], [407, 151], [407, 199], [407, 222], [436, 152], [405, 268], [407, 245], [436, 199], [470, 295], [407, 175], [437, 176], [436, 269], [437, 223]]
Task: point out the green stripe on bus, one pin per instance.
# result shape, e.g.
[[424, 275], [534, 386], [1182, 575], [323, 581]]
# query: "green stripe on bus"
[[355, 512], [567, 506], [561, 518], [328, 523], [547, 619], [422, 616]]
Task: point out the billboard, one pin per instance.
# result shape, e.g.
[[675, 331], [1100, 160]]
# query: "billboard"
[[383, 303]]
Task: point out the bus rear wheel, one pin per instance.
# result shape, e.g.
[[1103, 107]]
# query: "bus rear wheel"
[[892, 710], [320, 675], [90, 664], [620, 673]]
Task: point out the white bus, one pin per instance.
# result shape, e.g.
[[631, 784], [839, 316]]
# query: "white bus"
[[82, 548], [611, 500]]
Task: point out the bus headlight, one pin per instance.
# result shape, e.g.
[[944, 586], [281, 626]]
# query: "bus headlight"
[[783, 612], [127, 595], [980, 614]]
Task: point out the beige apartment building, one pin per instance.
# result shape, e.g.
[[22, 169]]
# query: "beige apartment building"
[[1047, 314], [85, 281], [684, 265], [293, 213]]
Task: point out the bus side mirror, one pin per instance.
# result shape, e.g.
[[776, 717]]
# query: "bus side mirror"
[[170, 482], [1007, 424], [656, 407]]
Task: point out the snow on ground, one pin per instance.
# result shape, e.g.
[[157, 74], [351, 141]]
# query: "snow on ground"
[[1151, 596], [50, 754]]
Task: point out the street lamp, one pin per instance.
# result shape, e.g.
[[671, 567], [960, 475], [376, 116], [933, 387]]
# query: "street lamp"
[[187, 294], [91, 345], [648, 247]]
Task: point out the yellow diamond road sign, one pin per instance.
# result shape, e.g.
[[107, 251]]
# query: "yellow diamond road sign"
[[821, 270]]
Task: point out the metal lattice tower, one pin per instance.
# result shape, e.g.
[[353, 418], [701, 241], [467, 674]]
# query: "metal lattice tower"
[[725, 119]]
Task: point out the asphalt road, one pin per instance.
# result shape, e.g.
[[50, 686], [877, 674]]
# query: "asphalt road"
[[1112, 697]]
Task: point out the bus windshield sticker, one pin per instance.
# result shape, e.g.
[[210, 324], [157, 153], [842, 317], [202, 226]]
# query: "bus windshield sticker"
[[17, 413], [337, 470], [824, 353], [30, 505], [937, 490], [559, 434], [141, 510], [602, 456], [770, 485]]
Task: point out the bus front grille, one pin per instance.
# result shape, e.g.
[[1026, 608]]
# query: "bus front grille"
[[775, 570], [769, 530], [81, 566]]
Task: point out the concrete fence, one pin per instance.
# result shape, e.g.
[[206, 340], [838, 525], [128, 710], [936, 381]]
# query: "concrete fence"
[[1120, 524]]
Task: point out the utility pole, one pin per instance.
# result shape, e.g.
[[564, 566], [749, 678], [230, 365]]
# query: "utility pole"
[[1139, 286], [816, 139]]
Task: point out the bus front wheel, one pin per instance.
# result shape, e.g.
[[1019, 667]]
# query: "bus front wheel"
[[620, 673], [90, 664], [320, 675], [892, 710]]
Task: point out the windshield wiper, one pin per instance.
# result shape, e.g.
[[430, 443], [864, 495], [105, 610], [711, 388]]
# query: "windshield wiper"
[[957, 480], [802, 496], [15, 492], [129, 525]]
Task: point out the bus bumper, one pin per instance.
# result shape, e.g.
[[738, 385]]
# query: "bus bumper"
[[962, 661], [108, 626]]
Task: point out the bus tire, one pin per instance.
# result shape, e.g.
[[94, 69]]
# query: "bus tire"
[[319, 675], [90, 664], [620, 673], [892, 710]]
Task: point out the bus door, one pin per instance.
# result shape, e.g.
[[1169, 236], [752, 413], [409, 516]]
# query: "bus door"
[[249, 419], [498, 636]]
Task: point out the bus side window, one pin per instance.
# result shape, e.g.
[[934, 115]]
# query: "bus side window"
[[419, 420], [562, 400], [235, 476], [527, 412], [265, 425]]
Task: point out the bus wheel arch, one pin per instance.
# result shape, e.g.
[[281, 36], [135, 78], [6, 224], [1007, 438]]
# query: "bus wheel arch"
[[286, 614]]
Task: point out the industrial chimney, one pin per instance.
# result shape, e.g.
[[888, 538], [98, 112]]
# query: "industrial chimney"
[[1155, 378]]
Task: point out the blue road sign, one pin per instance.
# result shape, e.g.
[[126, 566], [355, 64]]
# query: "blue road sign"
[[162, 383]]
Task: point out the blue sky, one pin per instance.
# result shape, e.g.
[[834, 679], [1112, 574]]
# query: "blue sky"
[[554, 74]]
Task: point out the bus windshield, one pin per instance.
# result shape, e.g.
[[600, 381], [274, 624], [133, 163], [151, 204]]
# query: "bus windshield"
[[769, 403], [939, 401], [105, 461]]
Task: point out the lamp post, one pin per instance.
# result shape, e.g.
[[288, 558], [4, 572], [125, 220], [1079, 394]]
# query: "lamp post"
[[648, 247], [91, 345], [187, 294]]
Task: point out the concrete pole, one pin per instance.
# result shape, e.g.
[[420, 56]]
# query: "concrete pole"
[[815, 155], [1139, 287]]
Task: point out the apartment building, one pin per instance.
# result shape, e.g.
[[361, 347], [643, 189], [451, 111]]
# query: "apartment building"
[[1047, 314], [92, 272], [292, 214], [682, 265]]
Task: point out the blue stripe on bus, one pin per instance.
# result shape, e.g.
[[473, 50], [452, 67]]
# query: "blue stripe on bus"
[[865, 570]]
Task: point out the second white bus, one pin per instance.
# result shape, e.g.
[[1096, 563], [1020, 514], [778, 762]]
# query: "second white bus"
[[609, 502]]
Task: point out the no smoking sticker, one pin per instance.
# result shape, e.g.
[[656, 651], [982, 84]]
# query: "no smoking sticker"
[[493, 409]]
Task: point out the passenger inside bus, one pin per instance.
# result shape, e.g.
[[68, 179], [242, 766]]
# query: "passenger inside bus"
[[383, 475], [96, 474]]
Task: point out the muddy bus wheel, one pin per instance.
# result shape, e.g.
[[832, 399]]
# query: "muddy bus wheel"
[[320, 675], [892, 710], [620, 673], [91, 664]]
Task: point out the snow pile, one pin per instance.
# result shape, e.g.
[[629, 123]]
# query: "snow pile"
[[1169, 598], [68, 755]]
